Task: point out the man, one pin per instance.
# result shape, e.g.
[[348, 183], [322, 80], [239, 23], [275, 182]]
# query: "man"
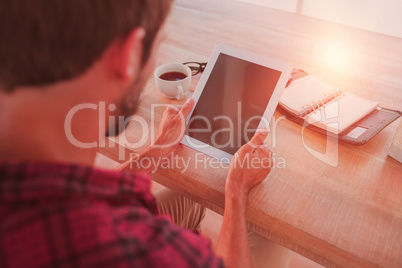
[[55, 208]]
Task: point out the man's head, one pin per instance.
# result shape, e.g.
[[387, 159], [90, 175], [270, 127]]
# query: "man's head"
[[47, 41], [51, 42]]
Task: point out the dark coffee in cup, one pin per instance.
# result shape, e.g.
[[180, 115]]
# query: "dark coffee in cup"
[[173, 76], [173, 80]]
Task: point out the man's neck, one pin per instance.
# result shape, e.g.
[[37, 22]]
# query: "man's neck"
[[33, 129]]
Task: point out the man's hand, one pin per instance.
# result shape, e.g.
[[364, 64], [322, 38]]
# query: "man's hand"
[[172, 128], [170, 133], [250, 165]]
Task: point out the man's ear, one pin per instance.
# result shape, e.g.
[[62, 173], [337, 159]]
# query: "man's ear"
[[127, 54]]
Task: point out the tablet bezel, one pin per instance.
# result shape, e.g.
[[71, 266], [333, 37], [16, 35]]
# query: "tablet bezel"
[[285, 70]]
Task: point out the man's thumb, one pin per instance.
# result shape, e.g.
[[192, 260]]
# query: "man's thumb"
[[259, 137]]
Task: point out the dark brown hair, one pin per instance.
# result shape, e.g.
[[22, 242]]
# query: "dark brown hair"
[[46, 41]]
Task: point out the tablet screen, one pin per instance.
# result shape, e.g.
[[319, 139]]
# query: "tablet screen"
[[232, 103]]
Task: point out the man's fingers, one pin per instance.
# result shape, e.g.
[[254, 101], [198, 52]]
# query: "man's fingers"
[[259, 137], [173, 109], [187, 107]]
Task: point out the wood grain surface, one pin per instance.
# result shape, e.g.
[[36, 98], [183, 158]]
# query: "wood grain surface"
[[347, 215]]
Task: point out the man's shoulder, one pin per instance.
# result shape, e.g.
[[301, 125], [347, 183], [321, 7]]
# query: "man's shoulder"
[[133, 235], [99, 235], [28, 182], [54, 215], [160, 243]]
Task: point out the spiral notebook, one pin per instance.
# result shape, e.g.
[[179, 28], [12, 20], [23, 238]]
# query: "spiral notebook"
[[324, 105]]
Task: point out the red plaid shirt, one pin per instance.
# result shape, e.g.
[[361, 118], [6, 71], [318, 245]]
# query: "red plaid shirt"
[[57, 215]]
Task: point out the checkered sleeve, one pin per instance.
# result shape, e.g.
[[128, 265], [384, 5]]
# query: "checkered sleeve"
[[137, 238], [55, 215], [160, 243]]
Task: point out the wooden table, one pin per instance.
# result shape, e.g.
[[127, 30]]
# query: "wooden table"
[[344, 216]]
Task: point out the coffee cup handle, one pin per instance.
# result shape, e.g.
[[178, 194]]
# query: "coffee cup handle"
[[180, 92]]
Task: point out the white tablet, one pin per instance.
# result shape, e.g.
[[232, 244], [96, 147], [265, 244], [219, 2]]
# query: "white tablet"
[[236, 95]]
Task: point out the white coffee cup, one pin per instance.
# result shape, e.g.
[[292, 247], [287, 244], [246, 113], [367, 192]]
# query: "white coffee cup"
[[173, 89]]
